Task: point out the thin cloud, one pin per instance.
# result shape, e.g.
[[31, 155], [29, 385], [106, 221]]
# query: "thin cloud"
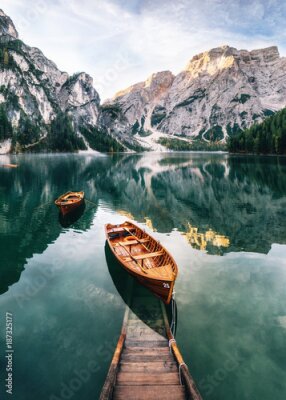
[[120, 43]]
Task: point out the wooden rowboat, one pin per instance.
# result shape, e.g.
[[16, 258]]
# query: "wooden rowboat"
[[69, 201], [143, 257]]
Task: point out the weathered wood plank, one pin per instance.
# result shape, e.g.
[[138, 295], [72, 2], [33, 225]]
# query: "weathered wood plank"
[[154, 328], [155, 351], [140, 378], [140, 334], [133, 242], [154, 367], [149, 343], [145, 330], [146, 358], [146, 322], [141, 314], [170, 392]]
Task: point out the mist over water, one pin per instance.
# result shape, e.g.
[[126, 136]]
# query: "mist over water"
[[223, 219]]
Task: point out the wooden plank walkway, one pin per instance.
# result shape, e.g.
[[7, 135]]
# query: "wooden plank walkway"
[[143, 367]]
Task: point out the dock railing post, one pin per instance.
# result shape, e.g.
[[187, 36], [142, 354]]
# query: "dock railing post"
[[190, 386], [107, 390]]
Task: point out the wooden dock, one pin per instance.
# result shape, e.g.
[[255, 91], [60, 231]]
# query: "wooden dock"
[[147, 363]]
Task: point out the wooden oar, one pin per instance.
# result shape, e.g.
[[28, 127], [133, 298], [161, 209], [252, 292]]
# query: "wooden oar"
[[138, 241], [135, 238], [134, 259]]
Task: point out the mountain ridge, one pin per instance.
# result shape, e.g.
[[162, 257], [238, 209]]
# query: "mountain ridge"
[[219, 93]]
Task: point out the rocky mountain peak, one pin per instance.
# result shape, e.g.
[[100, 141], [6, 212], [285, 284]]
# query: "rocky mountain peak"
[[129, 90], [6, 26], [212, 61], [267, 55], [163, 78], [156, 84], [78, 90], [224, 57]]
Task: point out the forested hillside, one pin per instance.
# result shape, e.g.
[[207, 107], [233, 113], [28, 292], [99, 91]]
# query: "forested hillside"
[[269, 137]]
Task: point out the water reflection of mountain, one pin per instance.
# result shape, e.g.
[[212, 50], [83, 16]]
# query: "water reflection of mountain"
[[206, 240], [29, 220], [240, 201]]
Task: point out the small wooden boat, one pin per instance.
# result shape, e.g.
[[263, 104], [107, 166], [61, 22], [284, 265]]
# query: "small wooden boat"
[[69, 201], [143, 257]]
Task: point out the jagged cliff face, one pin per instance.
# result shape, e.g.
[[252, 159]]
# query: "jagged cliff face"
[[219, 92], [129, 114], [33, 88]]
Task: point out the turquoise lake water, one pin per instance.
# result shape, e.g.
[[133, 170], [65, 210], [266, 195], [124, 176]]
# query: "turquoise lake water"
[[222, 217]]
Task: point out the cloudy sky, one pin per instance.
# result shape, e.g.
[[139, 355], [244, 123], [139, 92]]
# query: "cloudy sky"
[[122, 42]]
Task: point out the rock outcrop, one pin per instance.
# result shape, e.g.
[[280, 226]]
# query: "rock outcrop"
[[7, 27]]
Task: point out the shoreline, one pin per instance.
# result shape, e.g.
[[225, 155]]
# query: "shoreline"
[[102, 154]]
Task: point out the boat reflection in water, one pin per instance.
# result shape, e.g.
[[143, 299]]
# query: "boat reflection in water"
[[67, 220], [145, 305], [144, 257]]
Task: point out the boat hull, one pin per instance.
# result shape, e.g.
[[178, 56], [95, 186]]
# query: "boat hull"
[[161, 286], [69, 202], [66, 209]]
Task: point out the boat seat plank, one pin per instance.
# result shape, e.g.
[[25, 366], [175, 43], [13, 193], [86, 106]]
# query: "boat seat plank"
[[111, 230], [149, 255], [132, 242]]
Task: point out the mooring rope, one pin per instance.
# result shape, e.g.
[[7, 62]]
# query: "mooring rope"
[[43, 205], [91, 202], [170, 343], [173, 322]]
